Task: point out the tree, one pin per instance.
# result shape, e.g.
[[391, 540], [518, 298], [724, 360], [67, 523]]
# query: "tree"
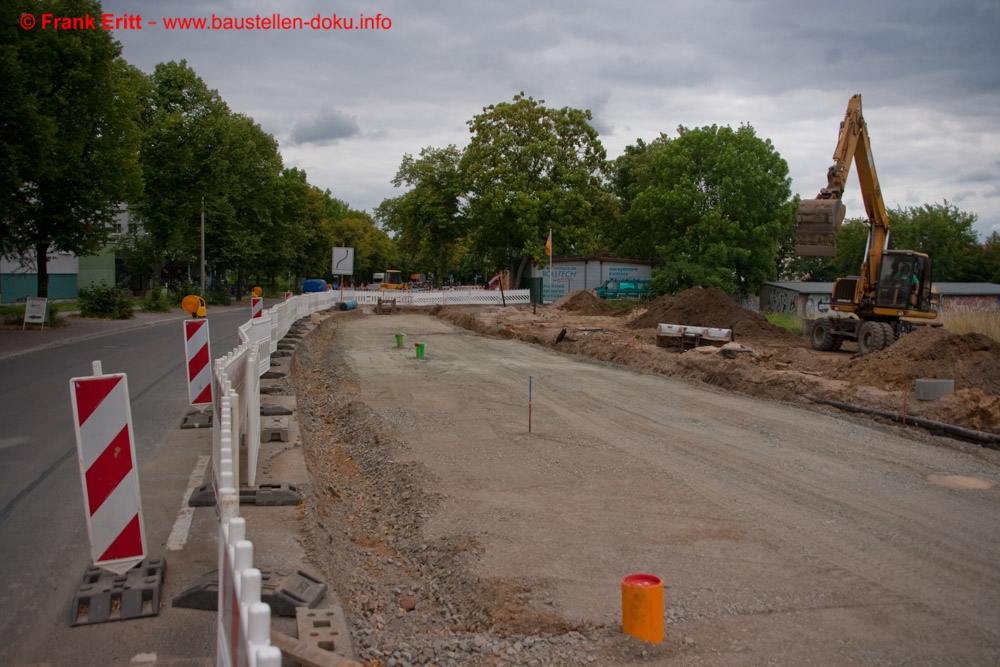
[[852, 241], [711, 206], [68, 133], [991, 254], [945, 234], [530, 169], [428, 218], [183, 163]]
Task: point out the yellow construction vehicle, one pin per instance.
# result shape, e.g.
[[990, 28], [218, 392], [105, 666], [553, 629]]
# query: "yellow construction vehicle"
[[393, 281], [894, 284]]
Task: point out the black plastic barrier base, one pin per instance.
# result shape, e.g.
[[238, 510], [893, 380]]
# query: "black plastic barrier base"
[[104, 596], [265, 495], [284, 591]]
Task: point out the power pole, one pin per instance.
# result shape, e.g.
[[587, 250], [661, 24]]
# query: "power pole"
[[203, 245]]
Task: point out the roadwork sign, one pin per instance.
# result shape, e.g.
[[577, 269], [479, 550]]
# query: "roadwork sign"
[[199, 362], [105, 443]]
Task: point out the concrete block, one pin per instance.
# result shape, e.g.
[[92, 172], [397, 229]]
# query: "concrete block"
[[274, 428], [931, 390]]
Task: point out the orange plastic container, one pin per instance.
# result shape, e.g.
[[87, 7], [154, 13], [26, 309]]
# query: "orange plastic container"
[[642, 607]]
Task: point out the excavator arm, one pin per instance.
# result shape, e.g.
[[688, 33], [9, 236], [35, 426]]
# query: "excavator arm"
[[819, 219]]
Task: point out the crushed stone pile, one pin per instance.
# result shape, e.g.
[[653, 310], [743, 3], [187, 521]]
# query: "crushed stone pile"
[[710, 307], [971, 360]]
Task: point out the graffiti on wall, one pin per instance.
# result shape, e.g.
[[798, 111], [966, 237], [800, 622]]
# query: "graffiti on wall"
[[781, 301], [986, 303]]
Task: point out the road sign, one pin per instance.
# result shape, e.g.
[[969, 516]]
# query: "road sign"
[[343, 262], [102, 419], [34, 311], [199, 366], [256, 306]]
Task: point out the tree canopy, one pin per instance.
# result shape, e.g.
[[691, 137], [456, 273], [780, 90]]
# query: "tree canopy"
[[529, 169], [709, 206], [68, 134], [428, 219]]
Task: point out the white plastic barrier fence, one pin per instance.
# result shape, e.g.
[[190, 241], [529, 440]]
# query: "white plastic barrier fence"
[[470, 297], [243, 637]]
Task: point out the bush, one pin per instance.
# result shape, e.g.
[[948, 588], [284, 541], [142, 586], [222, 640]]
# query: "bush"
[[105, 301], [158, 301], [180, 289], [218, 296]]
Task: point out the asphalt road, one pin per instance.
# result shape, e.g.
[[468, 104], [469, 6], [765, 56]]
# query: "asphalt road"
[[44, 547]]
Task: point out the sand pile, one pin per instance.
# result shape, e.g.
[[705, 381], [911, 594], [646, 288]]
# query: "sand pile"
[[971, 360], [584, 302], [710, 307]]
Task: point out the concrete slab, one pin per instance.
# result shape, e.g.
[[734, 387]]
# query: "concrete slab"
[[931, 390]]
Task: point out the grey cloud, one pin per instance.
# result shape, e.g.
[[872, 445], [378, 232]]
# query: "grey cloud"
[[330, 125]]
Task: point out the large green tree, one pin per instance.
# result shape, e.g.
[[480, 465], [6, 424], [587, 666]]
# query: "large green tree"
[[183, 162], [529, 169], [68, 133], [945, 234], [710, 206], [428, 219]]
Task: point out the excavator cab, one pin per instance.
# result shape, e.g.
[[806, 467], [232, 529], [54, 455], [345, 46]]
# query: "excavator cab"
[[904, 281]]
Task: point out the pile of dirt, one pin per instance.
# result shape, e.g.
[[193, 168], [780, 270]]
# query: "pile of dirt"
[[584, 302], [971, 360], [711, 307]]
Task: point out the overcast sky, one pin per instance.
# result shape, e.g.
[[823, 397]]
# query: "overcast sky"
[[346, 105]]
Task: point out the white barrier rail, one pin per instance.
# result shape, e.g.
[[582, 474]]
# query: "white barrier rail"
[[243, 636], [436, 297]]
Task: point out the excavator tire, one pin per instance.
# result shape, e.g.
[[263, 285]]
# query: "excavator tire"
[[871, 338], [821, 337], [888, 334]]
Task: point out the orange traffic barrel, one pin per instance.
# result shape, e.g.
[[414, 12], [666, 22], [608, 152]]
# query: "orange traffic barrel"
[[642, 607]]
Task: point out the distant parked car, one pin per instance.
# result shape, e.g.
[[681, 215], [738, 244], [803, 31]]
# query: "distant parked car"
[[624, 289]]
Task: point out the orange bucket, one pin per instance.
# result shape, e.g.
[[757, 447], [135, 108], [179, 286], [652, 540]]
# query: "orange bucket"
[[642, 607]]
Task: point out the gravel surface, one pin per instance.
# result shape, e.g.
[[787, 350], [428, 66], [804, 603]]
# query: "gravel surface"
[[786, 536]]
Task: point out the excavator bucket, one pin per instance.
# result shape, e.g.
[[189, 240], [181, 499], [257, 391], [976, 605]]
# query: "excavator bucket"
[[817, 225]]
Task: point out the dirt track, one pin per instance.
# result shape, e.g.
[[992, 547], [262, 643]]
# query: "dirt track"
[[785, 535]]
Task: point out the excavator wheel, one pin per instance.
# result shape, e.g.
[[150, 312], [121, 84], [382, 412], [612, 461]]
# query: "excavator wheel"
[[821, 337], [888, 334], [871, 338], [816, 227]]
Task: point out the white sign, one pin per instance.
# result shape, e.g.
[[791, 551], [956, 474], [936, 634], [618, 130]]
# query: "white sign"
[[34, 311], [343, 262]]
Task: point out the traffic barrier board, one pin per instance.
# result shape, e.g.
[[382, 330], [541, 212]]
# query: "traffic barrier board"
[[102, 420], [256, 306], [199, 366]]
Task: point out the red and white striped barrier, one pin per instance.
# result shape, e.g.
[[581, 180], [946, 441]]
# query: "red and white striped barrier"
[[256, 306], [102, 420], [288, 295], [199, 367]]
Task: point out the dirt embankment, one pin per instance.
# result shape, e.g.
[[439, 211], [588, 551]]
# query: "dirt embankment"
[[773, 363]]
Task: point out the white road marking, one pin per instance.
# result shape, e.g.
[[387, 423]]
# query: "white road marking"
[[179, 533]]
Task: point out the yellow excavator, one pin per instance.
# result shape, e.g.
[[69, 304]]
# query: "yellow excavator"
[[393, 281], [893, 285]]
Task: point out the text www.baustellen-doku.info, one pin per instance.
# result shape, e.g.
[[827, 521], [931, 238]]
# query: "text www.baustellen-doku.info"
[[213, 22]]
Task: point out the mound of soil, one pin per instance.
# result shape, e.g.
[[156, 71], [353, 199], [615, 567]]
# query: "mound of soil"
[[584, 302], [711, 307], [971, 360]]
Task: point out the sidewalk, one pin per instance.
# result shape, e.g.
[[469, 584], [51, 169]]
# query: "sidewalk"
[[14, 342]]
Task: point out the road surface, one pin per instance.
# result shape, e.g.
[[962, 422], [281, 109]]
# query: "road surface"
[[785, 535], [44, 546]]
